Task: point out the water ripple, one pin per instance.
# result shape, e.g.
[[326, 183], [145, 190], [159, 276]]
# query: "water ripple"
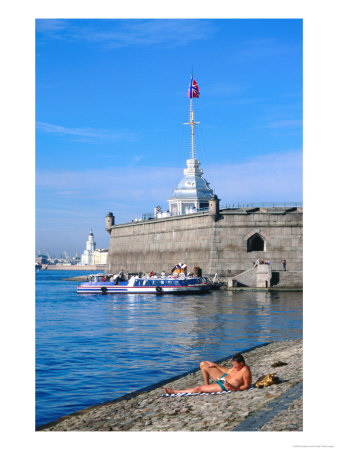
[[94, 348]]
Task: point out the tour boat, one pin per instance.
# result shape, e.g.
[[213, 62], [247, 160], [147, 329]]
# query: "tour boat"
[[97, 284]]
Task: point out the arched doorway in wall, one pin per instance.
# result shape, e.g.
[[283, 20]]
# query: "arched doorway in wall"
[[256, 243]]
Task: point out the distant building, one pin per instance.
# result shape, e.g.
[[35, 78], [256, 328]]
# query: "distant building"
[[100, 256], [75, 260], [41, 259], [87, 255]]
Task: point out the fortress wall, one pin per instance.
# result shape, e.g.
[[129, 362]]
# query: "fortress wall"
[[216, 246]]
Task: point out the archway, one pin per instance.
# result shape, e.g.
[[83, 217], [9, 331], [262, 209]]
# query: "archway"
[[255, 243]]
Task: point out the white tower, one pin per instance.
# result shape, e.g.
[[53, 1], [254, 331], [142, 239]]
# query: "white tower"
[[87, 256]]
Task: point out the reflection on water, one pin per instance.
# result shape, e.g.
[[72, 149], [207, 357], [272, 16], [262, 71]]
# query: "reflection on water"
[[94, 348]]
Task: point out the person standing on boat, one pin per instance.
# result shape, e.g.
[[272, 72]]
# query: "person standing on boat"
[[121, 275]]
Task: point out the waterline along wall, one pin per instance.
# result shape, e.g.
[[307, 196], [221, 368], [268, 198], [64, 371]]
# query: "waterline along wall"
[[226, 241]]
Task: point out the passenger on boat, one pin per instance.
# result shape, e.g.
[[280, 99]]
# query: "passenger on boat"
[[236, 378], [163, 273], [180, 268], [151, 274], [118, 277], [121, 275]]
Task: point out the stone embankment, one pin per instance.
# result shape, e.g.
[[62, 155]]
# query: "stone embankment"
[[74, 267], [274, 408]]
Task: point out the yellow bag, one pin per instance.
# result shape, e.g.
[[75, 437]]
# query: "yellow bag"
[[267, 380]]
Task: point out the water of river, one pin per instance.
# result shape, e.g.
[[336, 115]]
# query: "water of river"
[[95, 348]]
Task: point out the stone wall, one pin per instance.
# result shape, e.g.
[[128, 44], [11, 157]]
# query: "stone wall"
[[246, 278], [216, 244]]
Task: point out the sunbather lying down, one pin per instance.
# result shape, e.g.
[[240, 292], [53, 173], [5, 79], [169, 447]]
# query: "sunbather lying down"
[[236, 378]]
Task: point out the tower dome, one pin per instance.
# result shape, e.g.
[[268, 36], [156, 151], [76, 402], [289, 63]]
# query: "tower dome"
[[192, 192]]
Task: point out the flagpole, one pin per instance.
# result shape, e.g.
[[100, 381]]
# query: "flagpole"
[[192, 124], [192, 130]]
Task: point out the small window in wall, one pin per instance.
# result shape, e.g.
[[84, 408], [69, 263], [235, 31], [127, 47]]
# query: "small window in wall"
[[204, 205], [255, 243], [173, 209], [188, 208]]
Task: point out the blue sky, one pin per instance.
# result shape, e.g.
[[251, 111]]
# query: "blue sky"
[[111, 100]]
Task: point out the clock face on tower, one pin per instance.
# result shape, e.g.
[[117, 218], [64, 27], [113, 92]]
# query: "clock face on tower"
[[190, 183]]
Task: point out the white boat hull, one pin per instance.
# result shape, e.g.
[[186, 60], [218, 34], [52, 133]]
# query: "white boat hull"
[[139, 290], [127, 288]]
